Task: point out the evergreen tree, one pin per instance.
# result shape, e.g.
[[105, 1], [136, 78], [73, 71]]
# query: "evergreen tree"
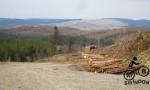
[[56, 38]]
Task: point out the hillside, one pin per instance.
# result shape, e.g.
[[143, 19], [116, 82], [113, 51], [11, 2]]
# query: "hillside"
[[36, 31], [85, 24], [105, 37], [137, 44], [145, 57], [95, 24], [111, 41], [109, 37], [12, 22]]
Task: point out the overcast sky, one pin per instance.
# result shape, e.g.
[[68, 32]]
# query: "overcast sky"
[[85, 9]]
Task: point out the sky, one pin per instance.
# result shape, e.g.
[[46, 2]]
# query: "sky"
[[75, 9]]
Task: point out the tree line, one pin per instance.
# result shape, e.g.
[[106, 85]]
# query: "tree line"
[[29, 50], [21, 50]]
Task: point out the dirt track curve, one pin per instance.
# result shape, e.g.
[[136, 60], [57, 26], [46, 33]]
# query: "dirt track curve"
[[58, 76]]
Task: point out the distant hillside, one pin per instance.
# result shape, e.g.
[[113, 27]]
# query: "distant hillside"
[[106, 23], [106, 37], [103, 34], [134, 23], [84, 24], [97, 24], [12, 22], [36, 31], [110, 37]]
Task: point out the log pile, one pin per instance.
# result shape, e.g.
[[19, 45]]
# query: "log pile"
[[100, 64]]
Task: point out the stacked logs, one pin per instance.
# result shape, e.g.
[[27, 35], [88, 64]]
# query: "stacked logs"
[[101, 64]]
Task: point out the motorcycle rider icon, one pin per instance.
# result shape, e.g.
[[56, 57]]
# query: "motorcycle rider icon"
[[133, 62], [135, 68]]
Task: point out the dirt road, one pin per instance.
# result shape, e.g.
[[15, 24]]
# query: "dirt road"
[[58, 76]]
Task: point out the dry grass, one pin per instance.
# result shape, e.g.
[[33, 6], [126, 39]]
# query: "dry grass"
[[139, 43]]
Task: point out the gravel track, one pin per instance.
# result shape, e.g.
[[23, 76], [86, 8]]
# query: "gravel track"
[[58, 76]]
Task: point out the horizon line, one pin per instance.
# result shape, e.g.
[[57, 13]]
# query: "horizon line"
[[73, 18]]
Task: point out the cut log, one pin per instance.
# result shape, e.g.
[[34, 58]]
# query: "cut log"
[[116, 70], [113, 66], [104, 63]]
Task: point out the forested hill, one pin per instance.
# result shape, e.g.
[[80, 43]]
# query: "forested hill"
[[85, 24], [12, 22]]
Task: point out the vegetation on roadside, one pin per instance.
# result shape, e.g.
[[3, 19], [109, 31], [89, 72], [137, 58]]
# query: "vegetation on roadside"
[[31, 49], [21, 50], [28, 50], [135, 45]]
